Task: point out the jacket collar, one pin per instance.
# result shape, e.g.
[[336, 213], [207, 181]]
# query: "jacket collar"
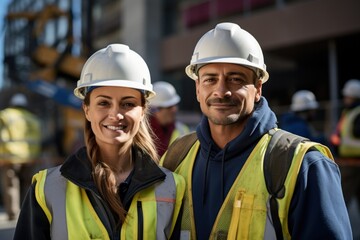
[[77, 168]]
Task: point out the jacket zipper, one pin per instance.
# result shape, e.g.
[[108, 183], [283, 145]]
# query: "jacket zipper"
[[140, 220], [132, 192], [106, 216]]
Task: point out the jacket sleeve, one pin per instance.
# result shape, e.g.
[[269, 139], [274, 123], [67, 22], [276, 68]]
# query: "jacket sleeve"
[[317, 209], [32, 223]]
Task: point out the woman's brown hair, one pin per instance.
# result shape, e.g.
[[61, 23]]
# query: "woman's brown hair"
[[103, 175]]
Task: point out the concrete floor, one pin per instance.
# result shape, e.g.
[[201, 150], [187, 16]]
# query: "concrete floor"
[[6, 227]]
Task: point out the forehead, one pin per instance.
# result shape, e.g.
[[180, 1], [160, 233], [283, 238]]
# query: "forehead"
[[116, 91], [214, 68]]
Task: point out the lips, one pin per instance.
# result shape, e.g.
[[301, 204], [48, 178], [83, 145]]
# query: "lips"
[[222, 105], [221, 102], [115, 128]]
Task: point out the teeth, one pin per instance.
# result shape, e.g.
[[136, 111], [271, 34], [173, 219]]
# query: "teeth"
[[115, 127]]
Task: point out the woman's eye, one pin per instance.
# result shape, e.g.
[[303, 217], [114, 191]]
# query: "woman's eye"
[[129, 105], [103, 103]]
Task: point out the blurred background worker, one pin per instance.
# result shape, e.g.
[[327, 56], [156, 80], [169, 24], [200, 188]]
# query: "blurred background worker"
[[20, 144], [163, 118], [346, 138], [346, 143], [303, 112]]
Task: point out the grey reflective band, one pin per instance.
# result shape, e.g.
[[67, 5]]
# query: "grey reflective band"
[[269, 233], [165, 195], [55, 195]]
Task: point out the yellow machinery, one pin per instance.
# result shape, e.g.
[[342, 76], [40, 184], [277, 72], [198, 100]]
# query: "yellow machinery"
[[50, 64]]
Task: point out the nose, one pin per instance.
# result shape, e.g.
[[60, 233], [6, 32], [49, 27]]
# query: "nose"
[[221, 89], [115, 114], [173, 109]]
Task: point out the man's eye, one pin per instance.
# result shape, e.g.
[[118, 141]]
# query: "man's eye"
[[208, 80], [238, 80]]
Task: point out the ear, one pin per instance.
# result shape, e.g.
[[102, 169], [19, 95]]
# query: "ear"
[[86, 111], [258, 87], [197, 89]]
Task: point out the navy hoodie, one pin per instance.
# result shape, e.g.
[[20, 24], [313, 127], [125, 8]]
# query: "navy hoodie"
[[317, 210]]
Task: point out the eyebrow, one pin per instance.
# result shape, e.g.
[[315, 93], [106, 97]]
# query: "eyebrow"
[[237, 73], [123, 98], [227, 74]]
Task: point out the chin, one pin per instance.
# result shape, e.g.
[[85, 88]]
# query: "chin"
[[121, 139]]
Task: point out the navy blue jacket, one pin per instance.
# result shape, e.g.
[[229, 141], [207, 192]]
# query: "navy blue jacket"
[[317, 210], [297, 125]]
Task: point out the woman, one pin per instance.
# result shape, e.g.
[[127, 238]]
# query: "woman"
[[112, 188]]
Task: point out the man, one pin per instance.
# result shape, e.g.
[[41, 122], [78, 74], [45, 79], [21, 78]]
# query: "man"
[[302, 112], [20, 144], [163, 119], [346, 137], [226, 196], [346, 142]]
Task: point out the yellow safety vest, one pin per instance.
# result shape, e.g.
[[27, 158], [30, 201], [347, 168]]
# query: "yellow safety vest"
[[244, 213], [180, 130], [20, 136], [72, 216], [349, 145]]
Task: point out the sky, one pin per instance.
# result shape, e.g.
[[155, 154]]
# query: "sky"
[[3, 8]]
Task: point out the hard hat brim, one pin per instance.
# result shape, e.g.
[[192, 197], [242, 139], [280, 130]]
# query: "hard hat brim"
[[309, 106], [189, 70], [80, 93], [175, 100]]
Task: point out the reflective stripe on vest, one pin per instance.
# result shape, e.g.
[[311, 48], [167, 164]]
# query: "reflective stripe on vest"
[[72, 215], [349, 145], [165, 201], [245, 211]]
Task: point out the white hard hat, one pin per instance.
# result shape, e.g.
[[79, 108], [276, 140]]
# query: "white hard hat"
[[228, 43], [352, 88], [18, 99], [116, 65], [166, 95], [303, 100]]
